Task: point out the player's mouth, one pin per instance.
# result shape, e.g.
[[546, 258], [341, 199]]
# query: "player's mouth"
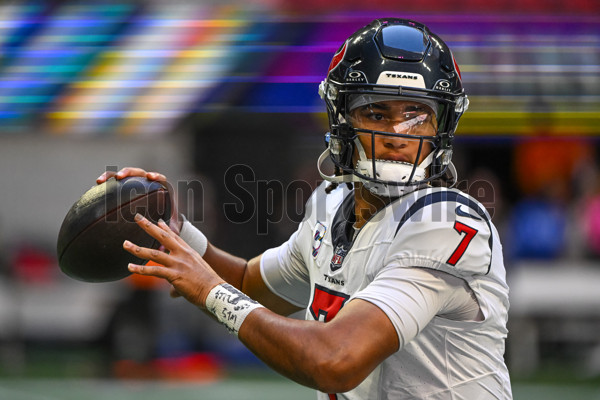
[[395, 157]]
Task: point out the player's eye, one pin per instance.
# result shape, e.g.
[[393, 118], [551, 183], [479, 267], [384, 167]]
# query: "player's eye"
[[376, 116], [372, 114]]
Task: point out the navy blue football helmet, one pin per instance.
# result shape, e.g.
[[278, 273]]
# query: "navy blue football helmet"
[[392, 59]]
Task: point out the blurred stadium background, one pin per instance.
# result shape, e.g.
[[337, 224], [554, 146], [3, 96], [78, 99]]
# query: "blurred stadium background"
[[221, 95]]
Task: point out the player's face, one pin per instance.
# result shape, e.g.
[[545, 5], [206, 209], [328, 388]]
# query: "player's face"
[[397, 117]]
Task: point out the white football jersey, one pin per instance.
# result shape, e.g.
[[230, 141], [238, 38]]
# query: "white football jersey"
[[325, 264]]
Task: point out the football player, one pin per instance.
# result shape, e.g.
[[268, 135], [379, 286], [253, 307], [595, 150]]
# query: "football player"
[[401, 276]]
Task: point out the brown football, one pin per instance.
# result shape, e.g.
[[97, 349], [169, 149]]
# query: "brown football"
[[90, 240]]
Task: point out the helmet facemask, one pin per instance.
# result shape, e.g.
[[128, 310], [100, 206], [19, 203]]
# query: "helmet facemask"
[[388, 142]]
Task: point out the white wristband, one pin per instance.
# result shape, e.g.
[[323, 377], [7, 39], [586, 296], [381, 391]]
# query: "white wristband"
[[230, 306], [193, 236]]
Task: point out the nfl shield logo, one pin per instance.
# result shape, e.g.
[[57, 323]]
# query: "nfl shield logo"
[[338, 258]]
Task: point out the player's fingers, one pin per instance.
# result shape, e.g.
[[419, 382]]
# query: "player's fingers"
[[155, 176], [146, 253], [130, 171], [105, 176], [174, 230], [166, 237], [150, 270]]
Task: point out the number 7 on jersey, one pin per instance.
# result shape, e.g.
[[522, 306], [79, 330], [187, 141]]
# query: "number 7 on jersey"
[[464, 243]]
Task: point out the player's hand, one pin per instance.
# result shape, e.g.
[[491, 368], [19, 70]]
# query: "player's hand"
[[176, 221], [131, 171], [182, 266]]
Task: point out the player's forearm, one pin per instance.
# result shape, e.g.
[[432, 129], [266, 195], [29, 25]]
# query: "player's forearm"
[[226, 265], [304, 351], [245, 276]]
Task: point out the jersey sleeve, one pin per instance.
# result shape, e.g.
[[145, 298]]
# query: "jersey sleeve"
[[284, 271], [411, 297], [446, 231]]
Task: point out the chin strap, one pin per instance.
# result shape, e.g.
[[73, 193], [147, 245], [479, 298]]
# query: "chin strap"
[[346, 178], [452, 175]]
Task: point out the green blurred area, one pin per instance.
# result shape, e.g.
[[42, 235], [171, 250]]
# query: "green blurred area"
[[56, 373], [231, 388]]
